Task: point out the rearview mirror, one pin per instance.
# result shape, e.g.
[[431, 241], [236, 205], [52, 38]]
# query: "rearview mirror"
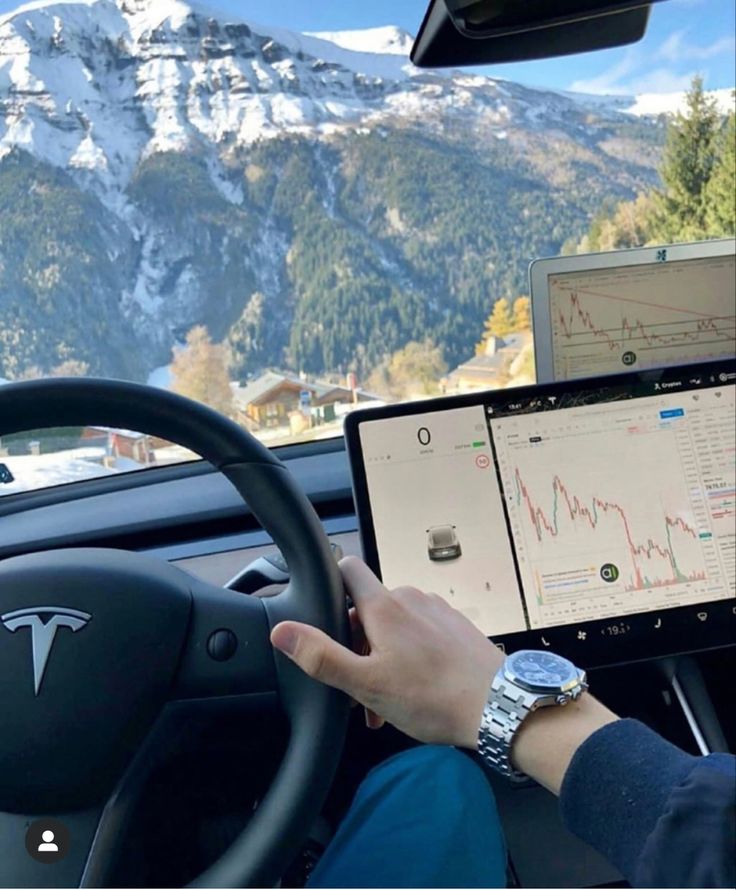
[[477, 32]]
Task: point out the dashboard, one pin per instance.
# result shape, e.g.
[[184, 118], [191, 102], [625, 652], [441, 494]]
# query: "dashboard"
[[173, 512], [192, 517]]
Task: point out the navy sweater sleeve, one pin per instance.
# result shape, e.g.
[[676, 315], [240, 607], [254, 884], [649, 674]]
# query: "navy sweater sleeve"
[[663, 817]]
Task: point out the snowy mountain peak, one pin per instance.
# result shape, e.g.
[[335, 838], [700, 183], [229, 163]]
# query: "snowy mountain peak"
[[388, 40], [99, 85], [96, 86], [183, 203]]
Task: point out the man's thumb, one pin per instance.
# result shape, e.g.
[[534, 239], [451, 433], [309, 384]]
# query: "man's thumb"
[[318, 655]]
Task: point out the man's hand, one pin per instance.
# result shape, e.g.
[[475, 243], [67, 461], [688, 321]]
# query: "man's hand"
[[419, 663]]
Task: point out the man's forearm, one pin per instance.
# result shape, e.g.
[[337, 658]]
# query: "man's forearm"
[[548, 739]]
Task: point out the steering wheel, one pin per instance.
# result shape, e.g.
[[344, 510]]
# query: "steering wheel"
[[99, 647]]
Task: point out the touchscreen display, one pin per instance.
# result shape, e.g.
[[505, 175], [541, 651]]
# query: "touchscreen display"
[[559, 507]]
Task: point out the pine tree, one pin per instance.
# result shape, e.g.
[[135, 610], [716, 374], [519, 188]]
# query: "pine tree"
[[720, 193], [699, 180], [687, 166], [247, 339], [199, 371]]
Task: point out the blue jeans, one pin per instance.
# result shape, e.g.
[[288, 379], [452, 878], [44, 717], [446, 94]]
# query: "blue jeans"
[[425, 818]]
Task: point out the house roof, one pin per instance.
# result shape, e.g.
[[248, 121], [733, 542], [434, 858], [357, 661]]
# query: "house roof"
[[491, 364], [257, 389], [126, 434], [517, 340]]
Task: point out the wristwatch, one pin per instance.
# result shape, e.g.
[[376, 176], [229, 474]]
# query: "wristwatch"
[[526, 681]]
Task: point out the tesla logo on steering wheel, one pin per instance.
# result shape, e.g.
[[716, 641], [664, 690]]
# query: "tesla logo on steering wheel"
[[44, 631]]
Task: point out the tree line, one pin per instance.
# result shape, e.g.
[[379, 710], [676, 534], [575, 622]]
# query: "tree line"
[[696, 200]]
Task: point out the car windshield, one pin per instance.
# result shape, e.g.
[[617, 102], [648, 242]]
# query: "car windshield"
[[264, 206]]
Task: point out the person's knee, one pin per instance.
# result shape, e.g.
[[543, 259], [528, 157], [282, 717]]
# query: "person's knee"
[[431, 813]]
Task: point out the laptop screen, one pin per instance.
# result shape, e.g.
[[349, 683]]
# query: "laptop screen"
[[629, 310]]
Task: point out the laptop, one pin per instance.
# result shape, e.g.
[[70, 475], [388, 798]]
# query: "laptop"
[[606, 313]]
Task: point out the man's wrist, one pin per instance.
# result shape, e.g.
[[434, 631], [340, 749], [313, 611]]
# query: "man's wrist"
[[549, 737]]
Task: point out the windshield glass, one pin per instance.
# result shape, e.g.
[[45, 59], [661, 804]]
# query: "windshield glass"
[[265, 207]]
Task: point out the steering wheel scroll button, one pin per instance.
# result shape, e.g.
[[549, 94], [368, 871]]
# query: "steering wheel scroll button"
[[222, 645], [47, 840]]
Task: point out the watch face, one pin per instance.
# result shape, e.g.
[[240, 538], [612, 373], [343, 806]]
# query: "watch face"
[[541, 670]]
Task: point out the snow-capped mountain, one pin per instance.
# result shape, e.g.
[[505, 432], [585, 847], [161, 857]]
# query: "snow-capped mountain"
[[386, 41], [190, 149], [97, 85], [652, 104]]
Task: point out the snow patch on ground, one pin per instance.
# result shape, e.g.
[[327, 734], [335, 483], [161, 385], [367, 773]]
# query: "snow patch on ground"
[[32, 471]]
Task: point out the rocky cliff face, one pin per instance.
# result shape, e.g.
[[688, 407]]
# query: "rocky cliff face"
[[315, 198]]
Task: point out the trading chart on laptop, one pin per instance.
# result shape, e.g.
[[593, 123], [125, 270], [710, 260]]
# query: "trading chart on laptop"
[[604, 321]]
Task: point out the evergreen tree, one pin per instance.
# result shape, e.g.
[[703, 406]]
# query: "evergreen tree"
[[199, 371], [696, 200], [720, 193], [688, 162], [248, 338]]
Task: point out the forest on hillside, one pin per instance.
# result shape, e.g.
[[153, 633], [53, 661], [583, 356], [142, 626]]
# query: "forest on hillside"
[[695, 200]]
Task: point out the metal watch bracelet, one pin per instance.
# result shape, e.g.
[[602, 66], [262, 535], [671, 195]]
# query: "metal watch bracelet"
[[506, 708]]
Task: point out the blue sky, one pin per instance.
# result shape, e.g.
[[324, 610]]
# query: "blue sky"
[[685, 37]]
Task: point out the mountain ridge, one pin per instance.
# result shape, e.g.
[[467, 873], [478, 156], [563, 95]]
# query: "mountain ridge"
[[313, 205], [263, 91]]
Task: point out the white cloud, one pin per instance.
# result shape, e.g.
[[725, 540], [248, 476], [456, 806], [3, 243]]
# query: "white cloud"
[[660, 80], [634, 74], [676, 49], [609, 80]]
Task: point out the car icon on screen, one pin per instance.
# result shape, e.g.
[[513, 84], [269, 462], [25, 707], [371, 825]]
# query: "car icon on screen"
[[442, 543]]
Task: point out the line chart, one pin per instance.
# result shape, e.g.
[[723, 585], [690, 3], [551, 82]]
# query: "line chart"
[[605, 321], [577, 321], [646, 556], [621, 507]]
